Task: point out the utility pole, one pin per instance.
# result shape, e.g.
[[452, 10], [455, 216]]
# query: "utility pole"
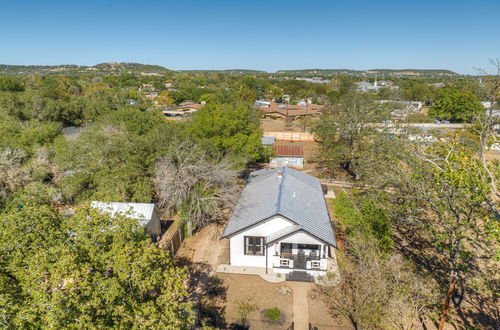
[[305, 118]]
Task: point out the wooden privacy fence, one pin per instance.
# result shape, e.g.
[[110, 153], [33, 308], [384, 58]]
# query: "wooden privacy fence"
[[173, 237], [291, 136]]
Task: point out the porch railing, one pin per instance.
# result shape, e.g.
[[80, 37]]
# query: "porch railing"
[[314, 263]]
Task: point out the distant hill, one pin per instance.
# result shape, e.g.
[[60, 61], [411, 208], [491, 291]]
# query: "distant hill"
[[230, 71], [147, 69], [368, 73], [99, 69]]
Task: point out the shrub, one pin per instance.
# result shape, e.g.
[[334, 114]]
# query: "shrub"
[[244, 307], [273, 314]]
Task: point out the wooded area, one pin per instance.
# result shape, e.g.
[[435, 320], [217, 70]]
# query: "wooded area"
[[420, 215]]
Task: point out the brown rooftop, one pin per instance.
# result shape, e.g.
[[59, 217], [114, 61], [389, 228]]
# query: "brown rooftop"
[[297, 151]]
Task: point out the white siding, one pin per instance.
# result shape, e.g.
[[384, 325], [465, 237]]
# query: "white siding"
[[265, 228], [287, 161]]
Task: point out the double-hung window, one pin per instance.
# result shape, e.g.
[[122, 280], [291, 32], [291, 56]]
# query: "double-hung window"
[[254, 245]]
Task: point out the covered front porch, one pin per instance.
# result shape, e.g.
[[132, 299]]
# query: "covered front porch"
[[299, 256]]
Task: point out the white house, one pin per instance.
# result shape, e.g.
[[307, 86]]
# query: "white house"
[[282, 224], [147, 214]]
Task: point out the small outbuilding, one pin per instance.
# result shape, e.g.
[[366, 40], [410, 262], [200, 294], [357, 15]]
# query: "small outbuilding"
[[267, 140], [147, 214], [291, 156]]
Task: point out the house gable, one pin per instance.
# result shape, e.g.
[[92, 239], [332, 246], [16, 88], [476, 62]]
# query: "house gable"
[[261, 229]]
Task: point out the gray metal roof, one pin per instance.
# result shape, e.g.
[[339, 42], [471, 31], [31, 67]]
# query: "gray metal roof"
[[141, 211], [296, 196], [267, 140]]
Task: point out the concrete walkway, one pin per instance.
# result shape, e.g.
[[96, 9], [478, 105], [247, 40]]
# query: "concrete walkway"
[[300, 304]]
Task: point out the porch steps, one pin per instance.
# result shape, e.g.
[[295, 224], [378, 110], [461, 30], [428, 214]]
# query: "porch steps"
[[299, 276]]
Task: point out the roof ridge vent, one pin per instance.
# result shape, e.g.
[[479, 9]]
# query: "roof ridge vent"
[[280, 187]]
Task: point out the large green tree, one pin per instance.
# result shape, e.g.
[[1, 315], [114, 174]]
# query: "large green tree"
[[456, 105], [417, 90], [87, 271], [113, 160], [10, 85], [228, 129]]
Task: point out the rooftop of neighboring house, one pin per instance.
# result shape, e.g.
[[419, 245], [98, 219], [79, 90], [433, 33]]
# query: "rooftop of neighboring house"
[[364, 84], [190, 105], [291, 151], [283, 191]]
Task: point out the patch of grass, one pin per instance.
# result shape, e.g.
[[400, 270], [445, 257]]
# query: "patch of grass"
[[273, 314]]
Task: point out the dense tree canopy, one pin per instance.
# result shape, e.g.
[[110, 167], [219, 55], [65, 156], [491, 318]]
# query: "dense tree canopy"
[[67, 140], [90, 270], [456, 105], [227, 129], [10, 85]]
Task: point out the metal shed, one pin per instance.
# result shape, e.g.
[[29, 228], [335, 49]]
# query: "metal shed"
[[291, 156]]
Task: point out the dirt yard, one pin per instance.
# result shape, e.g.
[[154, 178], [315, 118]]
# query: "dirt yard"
[[278, 125], [492, 155], [218, 294], [263, 294], [269, 295], [320, 317], [205, 247]]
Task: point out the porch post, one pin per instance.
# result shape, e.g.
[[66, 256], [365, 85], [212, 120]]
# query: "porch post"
[[265, 246]]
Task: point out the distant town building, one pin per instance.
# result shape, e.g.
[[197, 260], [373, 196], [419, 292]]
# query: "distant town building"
[[182, 110], [314, 80], [437, 85], [262, 103], [364, 86]]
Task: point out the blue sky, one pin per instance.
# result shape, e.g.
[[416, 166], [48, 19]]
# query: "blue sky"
[[268, 35]]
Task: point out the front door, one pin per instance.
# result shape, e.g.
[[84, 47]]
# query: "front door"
[[286, 249], [300, 261]]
